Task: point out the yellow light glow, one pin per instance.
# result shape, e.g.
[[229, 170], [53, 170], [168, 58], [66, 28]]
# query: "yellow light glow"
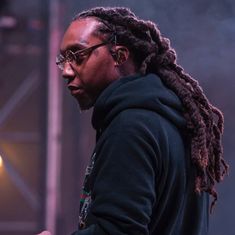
[[1, 161]]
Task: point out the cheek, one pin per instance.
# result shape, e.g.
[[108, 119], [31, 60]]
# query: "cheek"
[[99, 70]]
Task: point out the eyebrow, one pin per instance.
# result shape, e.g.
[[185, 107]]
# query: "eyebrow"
[[75, 46]]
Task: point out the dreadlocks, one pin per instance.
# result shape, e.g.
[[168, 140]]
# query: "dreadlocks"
[[152, 53]]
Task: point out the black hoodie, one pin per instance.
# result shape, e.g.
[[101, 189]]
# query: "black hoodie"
[[141, 180]]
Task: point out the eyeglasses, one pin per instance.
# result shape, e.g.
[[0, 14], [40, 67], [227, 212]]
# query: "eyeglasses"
[[76, 57]]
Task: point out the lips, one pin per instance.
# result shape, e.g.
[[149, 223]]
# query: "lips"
[[74, 89]]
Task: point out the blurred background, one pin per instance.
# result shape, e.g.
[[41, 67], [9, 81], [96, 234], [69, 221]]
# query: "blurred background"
[[45, 143]]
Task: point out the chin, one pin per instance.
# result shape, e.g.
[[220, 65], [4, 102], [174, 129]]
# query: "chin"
[[85, 105]]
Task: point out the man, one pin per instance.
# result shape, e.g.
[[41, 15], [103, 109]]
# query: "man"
[[158, 151]]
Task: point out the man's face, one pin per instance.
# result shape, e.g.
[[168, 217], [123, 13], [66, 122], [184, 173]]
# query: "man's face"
[[95, 71]]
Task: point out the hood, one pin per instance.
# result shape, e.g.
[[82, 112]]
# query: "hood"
[[139, 92]]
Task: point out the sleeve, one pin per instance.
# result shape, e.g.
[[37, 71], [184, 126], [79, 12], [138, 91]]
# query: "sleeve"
[[123, 192]]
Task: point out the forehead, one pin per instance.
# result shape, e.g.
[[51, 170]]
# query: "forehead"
[[79, 32]]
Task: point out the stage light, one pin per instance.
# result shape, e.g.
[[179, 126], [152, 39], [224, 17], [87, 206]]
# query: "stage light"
[[1, 161]]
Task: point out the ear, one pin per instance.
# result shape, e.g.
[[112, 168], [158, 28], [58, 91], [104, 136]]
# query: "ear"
[[120, 54]]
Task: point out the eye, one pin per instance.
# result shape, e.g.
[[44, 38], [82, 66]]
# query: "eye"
[[79, 58], [69, 55]]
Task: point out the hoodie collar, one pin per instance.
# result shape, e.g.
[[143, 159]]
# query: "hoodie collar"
[[140, 92]]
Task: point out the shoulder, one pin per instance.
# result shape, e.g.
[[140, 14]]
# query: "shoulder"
[[150, 127], [141, 121]]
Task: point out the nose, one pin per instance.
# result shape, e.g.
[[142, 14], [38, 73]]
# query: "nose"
[[68, 71]]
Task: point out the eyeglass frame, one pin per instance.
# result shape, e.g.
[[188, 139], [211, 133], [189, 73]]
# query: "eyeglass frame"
[[70, 56]]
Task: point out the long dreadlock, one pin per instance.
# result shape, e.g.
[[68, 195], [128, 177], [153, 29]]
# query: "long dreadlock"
[[152, 53]]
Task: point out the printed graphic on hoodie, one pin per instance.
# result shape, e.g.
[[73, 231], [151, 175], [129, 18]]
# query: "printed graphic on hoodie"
[[85, 199]]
